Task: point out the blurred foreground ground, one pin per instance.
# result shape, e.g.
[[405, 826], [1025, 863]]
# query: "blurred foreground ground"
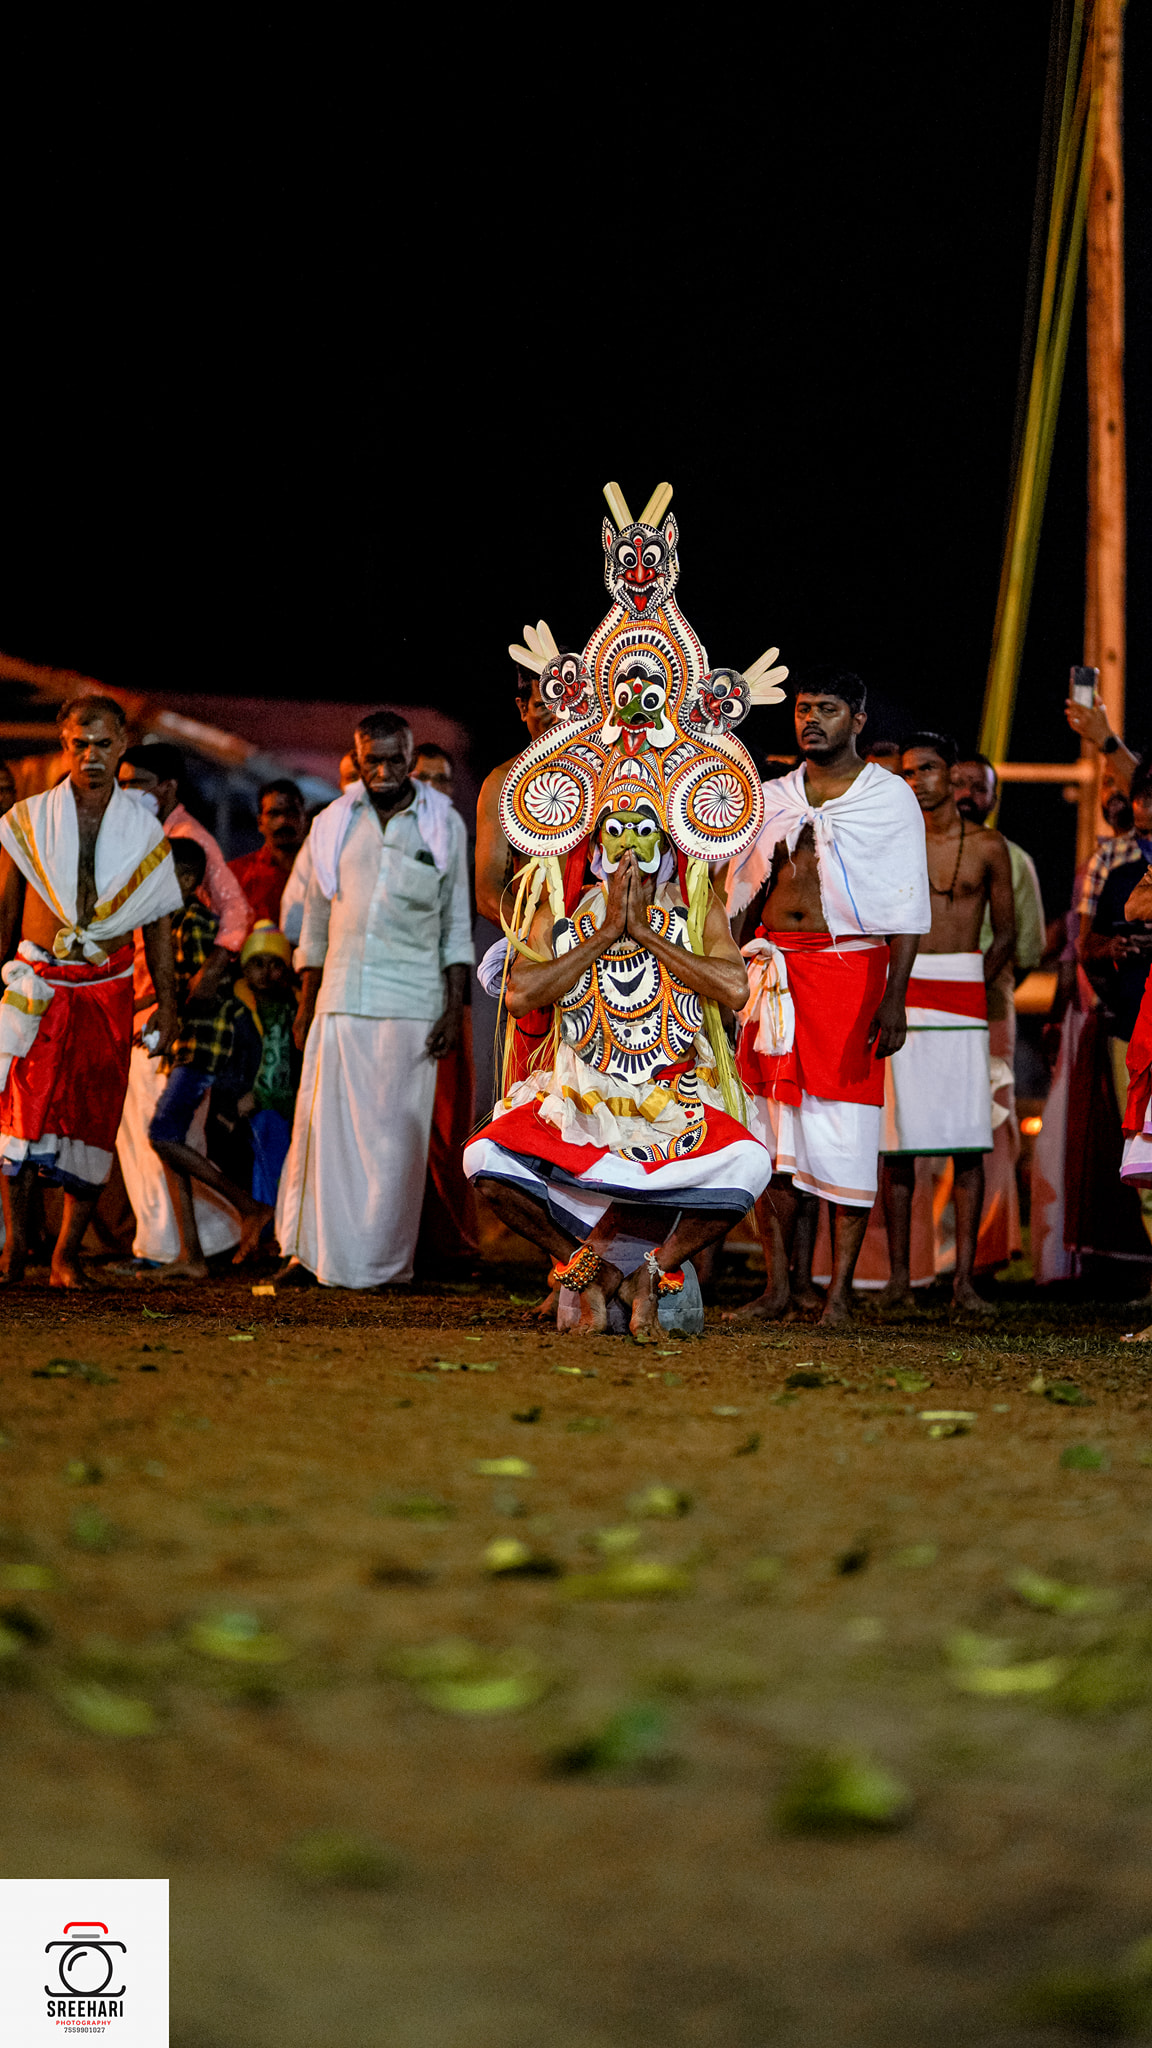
[[227, 1524]]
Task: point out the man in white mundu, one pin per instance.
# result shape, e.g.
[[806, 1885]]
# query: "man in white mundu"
[[938, 1096], [81, 866], [837, 891], [385, 952]]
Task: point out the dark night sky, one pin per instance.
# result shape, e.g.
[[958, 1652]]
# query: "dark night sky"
[[318, 357]]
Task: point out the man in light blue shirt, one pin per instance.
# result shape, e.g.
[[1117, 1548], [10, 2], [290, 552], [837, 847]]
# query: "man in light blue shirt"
[[385, 952]]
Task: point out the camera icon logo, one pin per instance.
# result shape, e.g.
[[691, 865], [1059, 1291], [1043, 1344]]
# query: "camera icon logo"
[[85, 1968]]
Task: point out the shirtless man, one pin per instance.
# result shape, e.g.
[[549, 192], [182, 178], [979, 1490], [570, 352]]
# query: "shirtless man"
[[939, 1097], [839, 877], [80, 866], [495, 861]]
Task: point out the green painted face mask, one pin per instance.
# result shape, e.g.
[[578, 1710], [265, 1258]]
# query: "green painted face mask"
[[620, 836]]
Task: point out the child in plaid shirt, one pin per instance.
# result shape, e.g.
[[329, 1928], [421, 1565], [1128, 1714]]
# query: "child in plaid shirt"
[[200, 1051]]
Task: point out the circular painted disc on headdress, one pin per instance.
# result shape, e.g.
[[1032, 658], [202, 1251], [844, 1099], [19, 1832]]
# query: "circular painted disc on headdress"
[[547, 798], [715, 804]]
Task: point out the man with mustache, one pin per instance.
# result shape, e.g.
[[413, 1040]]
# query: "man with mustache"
[[838, 886]]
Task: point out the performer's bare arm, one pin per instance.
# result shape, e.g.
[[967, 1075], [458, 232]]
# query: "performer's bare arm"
[[889, 1027], [718, 973], [494, 857], [11, 904], [1138, 909], [1001, 906], [158, 953]]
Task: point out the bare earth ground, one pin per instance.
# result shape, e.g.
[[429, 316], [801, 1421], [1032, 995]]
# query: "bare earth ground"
[[217, 1543]]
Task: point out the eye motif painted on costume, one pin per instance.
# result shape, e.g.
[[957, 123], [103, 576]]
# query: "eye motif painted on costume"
[[718, 703], [640, 566], [566, 685]]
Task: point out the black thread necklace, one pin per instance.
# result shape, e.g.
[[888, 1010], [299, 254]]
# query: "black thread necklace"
[[948, 892]]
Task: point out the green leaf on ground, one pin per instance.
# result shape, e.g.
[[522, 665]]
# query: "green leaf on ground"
[[761, 1572], [103, 1712], [663, 1503], [503, 1468], [839, 1791], [750, 1444], [804, 1376], [527, 1300], [916, 1555], [631, 1741], [238, 1638], [586, 1425], [616, 1542], [1067, 1395], [507, 1557], [1092, 2004], [415, 1507], [1053, 1596], [909, 1382], [157, 1315], [461, 1677], [629, 1578], [78, 1472], [93, 1532], [331, 1857], [27, 1578], [1083, 1458]]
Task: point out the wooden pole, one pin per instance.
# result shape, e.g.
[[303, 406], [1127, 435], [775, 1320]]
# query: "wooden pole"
[[1105, 565]]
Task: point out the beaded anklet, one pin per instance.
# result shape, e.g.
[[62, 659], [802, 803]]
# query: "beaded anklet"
[[666, 1283], [580, 1271]]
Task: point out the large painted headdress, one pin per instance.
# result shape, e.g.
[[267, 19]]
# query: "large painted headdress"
[[640, 715]]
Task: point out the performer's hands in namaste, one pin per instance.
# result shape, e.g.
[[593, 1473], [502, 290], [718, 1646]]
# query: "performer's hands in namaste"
[[623, 891]]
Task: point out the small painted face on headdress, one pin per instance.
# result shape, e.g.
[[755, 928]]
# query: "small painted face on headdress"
[[566, 685], [640, 566], [635, 829]]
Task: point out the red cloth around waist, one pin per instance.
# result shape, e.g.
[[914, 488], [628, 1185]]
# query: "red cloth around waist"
[[524, 1130], [73, 1079], [959, 998], [836, 996], [1139, 1062]]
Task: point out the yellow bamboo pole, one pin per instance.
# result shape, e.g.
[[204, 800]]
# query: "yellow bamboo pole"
[[1057, 296], [1105, 554]]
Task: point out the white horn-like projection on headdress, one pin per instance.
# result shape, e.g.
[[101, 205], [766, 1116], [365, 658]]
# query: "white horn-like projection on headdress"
[[762, 679]]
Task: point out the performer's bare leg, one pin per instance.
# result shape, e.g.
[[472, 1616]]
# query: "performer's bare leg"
[[182, 1161], [17, 1195], [530, 1219], [968, 1200], [805, 1294], [191, 1265], [848, 1227], [897, 1187], [690, 1235], [777, 1213], [65, 1270]]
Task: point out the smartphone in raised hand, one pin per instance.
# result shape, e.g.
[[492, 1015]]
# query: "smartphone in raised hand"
[[1082, 685]]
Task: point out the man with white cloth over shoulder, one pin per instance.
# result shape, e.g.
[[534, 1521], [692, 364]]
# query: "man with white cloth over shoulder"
[[839, 881], [385, 951]]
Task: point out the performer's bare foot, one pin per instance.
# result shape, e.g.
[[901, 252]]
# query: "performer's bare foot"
[[1138, 1336], [897, 1294], [808, 1299], [66, 1272], [546, 1313], [591, 1318], [638, 1292], [773, 1306], [251, 1231], [12, 1271], [965, 1296], [837, 1309], [177, 1269]]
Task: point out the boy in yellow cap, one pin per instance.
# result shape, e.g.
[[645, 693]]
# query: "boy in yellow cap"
[[266, 988]]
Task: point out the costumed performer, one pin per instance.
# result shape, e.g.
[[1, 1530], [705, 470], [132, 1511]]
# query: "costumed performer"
[[81, 867], [625, 1150], [839, 879]]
